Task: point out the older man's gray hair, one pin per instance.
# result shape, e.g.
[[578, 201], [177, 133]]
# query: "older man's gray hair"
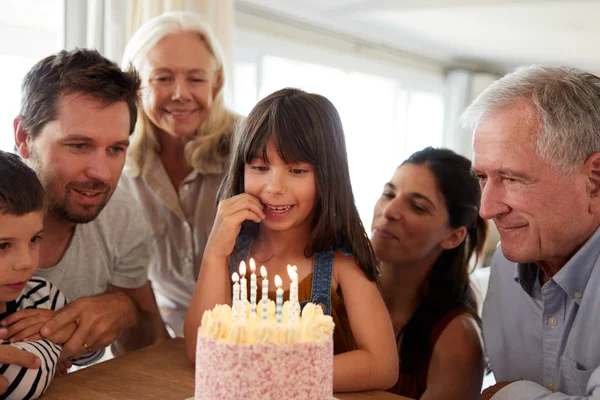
[[565, 105]]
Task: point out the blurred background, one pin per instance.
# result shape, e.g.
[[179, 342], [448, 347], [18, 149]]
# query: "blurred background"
[[400, 72]]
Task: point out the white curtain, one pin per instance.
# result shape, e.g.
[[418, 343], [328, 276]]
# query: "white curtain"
[[219, 14], [107, 25]]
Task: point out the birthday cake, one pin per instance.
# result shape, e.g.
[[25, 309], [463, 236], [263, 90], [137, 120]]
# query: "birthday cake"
[[269, 353]]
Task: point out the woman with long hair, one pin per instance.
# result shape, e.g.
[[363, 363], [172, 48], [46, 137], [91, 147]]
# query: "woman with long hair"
[[426, 231], [178, 150]]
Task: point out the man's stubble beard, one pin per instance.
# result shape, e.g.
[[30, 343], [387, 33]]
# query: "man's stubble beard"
[[57, 205]]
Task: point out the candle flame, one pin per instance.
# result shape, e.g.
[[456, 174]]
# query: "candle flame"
[[291, 272], [243, 269], [263, 272], [252, 265], [235, 277], [278, 281]]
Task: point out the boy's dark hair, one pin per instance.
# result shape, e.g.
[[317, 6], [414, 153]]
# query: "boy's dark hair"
[[77, 71], [306, 127], [20, 189]]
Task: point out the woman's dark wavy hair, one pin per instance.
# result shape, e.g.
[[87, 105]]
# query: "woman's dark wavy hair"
[[305, 127], [448, 285]]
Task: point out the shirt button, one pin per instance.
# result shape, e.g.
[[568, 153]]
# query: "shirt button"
[[552, 321], [550, 385], [578, 294], [187, 259]]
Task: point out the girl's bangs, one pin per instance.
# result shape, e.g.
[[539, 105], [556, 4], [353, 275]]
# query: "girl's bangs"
[[294, 142]]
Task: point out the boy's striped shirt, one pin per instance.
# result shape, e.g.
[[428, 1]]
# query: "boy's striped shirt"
[[26, 383]]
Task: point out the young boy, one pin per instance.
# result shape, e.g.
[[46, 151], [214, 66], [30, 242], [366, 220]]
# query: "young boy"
[[22, 211]]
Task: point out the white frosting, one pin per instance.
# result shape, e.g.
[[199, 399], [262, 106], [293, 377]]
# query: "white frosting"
[[311, 310], [219, 324]]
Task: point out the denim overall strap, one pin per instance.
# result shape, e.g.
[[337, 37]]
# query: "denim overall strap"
[[240, 252], [321, 281]]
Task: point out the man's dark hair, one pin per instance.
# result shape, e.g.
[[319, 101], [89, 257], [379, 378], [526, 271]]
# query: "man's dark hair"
[[77, 71], [20, 189]]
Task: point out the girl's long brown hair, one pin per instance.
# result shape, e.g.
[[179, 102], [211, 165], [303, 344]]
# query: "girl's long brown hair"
[[306, 128]]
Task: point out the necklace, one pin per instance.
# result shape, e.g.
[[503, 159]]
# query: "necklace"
[[263, 261], [253, 252]]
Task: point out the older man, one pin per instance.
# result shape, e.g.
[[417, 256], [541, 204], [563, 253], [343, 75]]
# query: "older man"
[[78, 110], [537, 156]]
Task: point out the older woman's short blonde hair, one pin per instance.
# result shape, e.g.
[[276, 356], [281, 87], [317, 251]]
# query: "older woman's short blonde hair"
[[208, 151]]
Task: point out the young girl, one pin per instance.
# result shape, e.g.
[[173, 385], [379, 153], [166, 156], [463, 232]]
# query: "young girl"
[[287, 199]]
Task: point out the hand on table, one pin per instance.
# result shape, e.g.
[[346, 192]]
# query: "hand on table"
[[62, 367], [99, 321]]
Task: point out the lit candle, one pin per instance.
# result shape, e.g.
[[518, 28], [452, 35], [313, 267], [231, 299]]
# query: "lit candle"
[[235, 301], [279, 297], [265, 292], [294, 304], [252, 288], [243, 291]]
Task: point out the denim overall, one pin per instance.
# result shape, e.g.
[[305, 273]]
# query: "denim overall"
[[322, 271]]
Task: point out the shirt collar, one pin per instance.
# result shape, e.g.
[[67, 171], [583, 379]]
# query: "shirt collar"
[[526, 275], [572, 277], [152, 161]]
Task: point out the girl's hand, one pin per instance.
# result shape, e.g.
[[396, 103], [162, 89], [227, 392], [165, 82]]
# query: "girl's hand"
[[231, 213]]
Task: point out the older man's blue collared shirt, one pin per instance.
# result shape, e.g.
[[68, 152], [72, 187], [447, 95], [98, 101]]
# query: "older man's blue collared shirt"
[[545, 339]]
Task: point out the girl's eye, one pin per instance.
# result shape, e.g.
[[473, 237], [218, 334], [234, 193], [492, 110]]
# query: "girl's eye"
[[388, 195], [4, 246], [259, 168], [298, 171], [36, 239]]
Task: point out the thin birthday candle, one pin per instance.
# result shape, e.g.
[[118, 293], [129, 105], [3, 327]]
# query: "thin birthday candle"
[[253, 288], [296, 302], [243, 291], [235, 301], [279, 297], [293, 294], [265, 292]]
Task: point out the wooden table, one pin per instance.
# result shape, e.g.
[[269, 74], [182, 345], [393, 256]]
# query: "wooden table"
[[159, 372]]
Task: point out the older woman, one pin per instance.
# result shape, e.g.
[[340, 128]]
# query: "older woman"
[[178, 150], [425, 230]]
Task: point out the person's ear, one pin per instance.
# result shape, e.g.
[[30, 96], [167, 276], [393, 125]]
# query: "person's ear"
[[21, 138], [592, 169], [454, 238]]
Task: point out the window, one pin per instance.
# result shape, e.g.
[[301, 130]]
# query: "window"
[[385, 117], [30, 30]]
